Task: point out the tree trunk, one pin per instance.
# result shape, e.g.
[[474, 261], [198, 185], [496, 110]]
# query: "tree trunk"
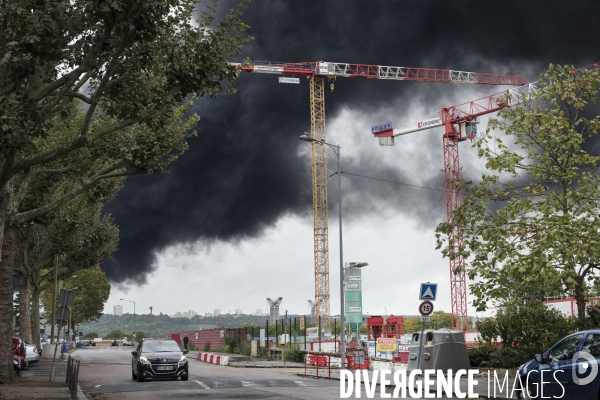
[[35, 315], [25, 309], [7, 256], [580, 300], [36, 289]]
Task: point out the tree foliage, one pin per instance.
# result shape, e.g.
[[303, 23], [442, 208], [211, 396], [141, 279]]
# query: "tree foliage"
[[102, 82], [516, 333], [531, 224]]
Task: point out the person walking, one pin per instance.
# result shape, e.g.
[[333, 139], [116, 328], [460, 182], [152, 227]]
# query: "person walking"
[[186, 340]]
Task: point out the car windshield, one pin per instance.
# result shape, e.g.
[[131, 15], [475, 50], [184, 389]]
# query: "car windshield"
[[160, 345]]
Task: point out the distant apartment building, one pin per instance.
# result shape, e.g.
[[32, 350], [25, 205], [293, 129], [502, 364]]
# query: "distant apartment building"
[[118, 310], [208, 314], [185, 314], [217, 312], [259, 312], [238, 311], [176, 315], [192, 313]]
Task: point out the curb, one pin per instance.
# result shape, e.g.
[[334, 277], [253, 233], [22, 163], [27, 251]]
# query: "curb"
[[80, 393], [212, 358]]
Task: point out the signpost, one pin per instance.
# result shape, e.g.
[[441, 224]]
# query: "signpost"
[[428, 293]]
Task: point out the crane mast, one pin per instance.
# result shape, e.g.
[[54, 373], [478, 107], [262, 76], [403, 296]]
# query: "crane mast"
[[319, 192], [316, 73], [463, 117]]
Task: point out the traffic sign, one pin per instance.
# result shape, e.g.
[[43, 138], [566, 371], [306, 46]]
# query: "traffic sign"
[[426, 308], [425, 319], [428, 291]]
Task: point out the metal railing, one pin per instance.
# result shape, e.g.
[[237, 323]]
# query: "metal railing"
[[72, 376]]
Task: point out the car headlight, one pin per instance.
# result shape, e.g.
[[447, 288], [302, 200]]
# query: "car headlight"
[[144, 360], [182, 360]]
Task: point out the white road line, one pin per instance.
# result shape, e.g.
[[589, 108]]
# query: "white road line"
[[202, 384], [300, 383], [247, 384]]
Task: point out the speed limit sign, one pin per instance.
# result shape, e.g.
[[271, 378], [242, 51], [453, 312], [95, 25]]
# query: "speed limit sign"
[[426, 308]]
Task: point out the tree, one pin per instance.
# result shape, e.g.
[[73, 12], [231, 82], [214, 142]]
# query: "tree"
[[91, 335], [116, 334], [440, 319], [523, 332], [412, 324], [78, 233], [136, 59], [531, 224], [92, 292]]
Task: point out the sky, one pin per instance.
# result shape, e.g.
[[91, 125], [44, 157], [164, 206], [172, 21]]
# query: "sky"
[[231, 223]]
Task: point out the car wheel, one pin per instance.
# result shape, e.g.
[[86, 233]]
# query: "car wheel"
[[140, 377], [526, 394]]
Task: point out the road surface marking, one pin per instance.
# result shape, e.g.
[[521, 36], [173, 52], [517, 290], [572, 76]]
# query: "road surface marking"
[[202, 384], [300, 383], [248, 384], [97, 385]]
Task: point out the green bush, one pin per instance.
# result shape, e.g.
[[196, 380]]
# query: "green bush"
[[294, 355], [245, 347], [523, 331], [206, 346]]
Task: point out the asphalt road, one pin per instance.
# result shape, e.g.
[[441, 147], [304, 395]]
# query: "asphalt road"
[[105, 373]]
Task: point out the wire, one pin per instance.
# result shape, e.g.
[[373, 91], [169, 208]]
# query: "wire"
[[308, 187], [397, 183]]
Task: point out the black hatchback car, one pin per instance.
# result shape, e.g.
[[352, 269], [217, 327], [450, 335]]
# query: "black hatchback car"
[[159, 358]]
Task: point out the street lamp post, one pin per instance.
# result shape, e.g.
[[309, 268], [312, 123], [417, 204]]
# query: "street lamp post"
[[305, 137], [131, 301]]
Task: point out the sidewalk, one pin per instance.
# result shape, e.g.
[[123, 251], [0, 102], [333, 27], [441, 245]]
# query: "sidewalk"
[[34, 383], [265, 364]]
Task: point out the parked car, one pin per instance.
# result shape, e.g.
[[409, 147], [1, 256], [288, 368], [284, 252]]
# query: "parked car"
[[127, 342], [159, 358], [31, 353], [568, 369], [19, 352]]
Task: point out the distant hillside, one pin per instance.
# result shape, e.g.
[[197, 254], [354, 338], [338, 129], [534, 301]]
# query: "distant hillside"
[[163, 324]]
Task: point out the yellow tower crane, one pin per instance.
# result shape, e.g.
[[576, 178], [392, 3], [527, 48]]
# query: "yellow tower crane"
[[316, 73]]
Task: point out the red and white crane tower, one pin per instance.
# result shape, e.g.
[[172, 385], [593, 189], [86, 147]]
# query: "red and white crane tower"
[[316, 72], [459, 124]]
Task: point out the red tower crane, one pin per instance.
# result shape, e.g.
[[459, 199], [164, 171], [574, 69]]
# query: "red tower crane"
[[316, 72], [459, 124]]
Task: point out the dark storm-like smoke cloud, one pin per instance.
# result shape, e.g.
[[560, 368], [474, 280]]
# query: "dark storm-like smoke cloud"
[[246, 154]]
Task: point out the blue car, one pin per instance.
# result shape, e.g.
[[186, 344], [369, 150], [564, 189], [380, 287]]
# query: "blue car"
[[568, 370]]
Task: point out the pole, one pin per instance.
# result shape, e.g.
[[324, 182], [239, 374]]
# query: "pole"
[[334, 337], [421, 339], [150, 330], [319, 335], [134, 322], [284, 338], [62, 317], [53, 321], [342, 319]]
